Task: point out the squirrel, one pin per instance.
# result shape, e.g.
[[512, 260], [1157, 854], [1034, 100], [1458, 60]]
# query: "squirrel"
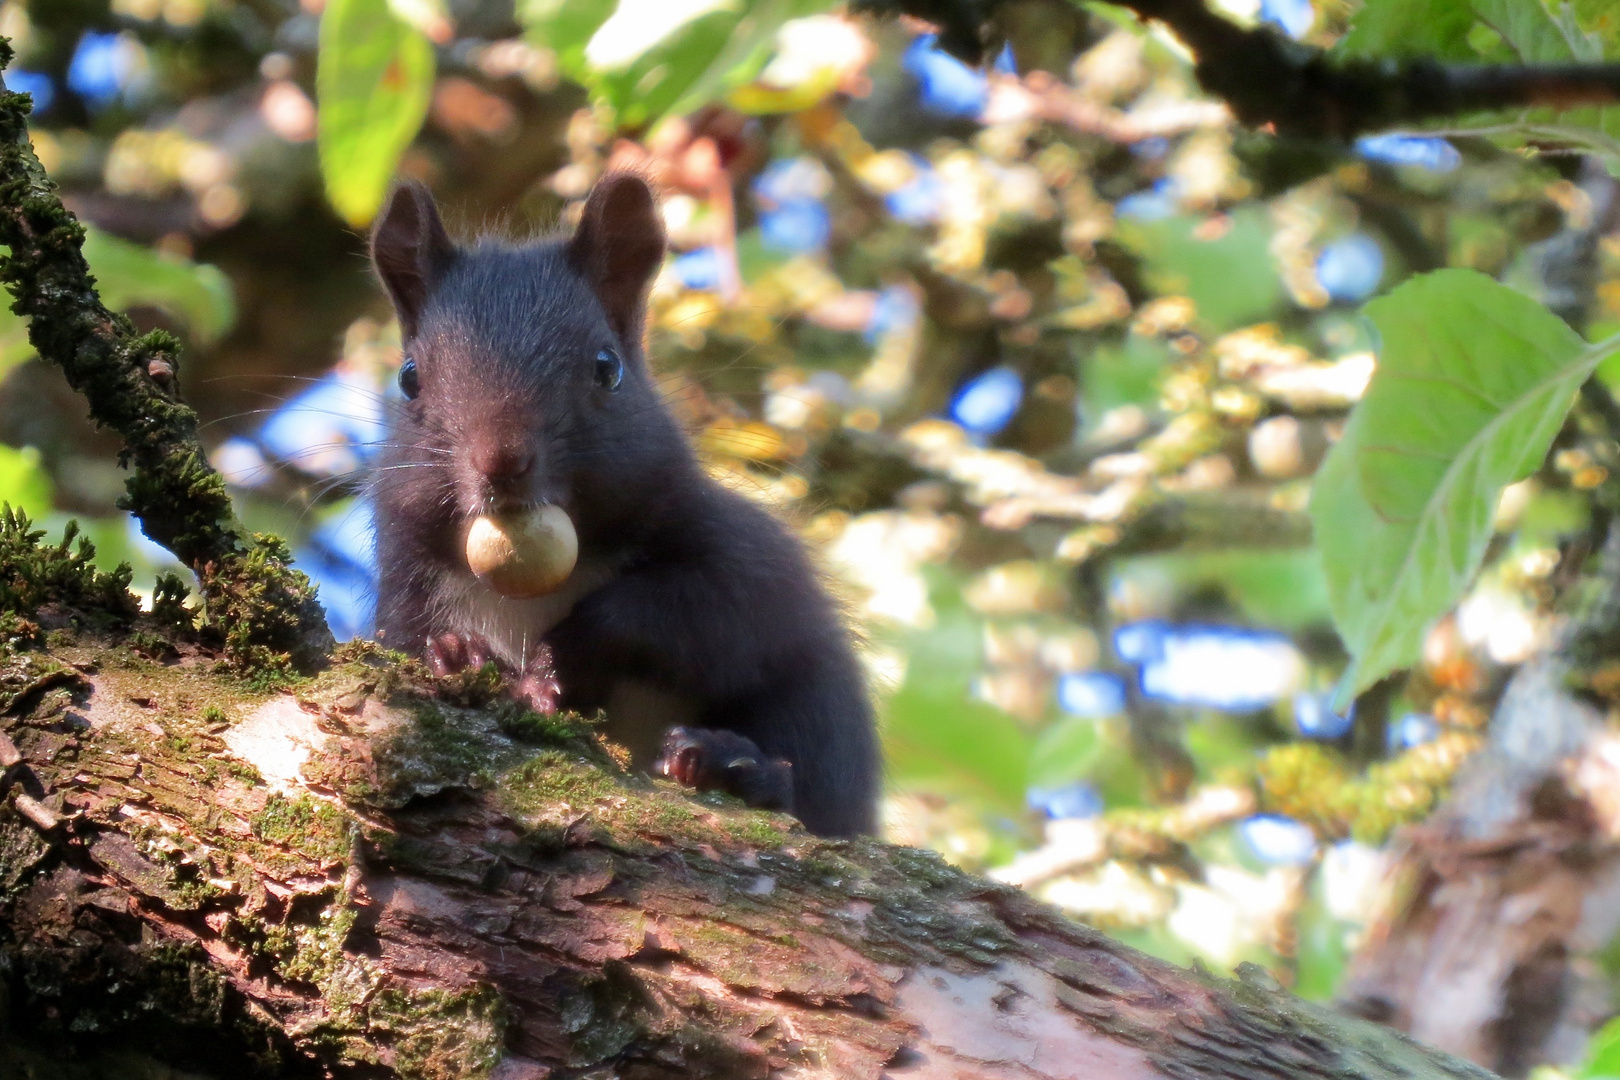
[[692, 616]]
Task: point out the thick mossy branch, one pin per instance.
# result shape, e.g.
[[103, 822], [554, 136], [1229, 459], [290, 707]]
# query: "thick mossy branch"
[[264, 610], [384, 875]]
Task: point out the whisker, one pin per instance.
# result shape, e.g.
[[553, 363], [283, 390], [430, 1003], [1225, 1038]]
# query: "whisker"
[[288, 408], [311, 379]]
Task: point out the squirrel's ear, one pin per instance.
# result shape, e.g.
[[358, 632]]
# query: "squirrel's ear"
[[619, 246], [411, 250]]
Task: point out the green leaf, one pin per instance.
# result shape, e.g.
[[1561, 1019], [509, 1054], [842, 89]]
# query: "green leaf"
[[1586, 46], [23, 482], [373, 79], [1437, 28], [1602, 1054], [713, 48], [132, 275], [1440, 29], [1473, 381], [1534, 35], [431, 17], [565, 27], [746, 50], [649, 86]]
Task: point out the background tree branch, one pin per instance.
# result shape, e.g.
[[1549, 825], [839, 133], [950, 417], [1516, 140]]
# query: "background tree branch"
[[1299, 90]]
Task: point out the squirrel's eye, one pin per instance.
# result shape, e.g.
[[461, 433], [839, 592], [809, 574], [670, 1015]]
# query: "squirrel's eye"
[[409, 382], [609, 370]]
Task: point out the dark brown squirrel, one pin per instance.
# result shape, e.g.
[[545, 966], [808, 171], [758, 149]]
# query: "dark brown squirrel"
[[526, 383]]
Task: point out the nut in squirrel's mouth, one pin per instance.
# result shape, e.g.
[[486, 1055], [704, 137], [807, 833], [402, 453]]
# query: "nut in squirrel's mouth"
[[523, 553]]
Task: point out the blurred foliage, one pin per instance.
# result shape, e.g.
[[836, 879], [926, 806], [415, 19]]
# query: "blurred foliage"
[[1474, 381], [1042, 358], [374, 79]]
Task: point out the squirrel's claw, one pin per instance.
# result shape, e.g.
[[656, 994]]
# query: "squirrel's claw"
[[448, 653]]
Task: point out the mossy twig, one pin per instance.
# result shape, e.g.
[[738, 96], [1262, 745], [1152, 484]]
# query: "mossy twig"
[[263, 610]]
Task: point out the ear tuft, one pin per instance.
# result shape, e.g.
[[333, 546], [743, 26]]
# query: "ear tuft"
[[619, 246], [410, 250]]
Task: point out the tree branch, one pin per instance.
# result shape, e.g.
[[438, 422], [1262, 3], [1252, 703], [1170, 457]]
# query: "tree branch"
[[370, 880], [1297, 90], [264, 611]]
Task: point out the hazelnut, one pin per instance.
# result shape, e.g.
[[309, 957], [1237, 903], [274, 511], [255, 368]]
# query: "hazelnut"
[[524, 554]]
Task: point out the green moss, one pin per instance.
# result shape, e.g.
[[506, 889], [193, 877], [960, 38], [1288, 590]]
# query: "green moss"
[[316, 829], [33, 575], [473, 688], [23, 675], [360, 655], [150, 645], [432, 746], [557, 784], [180, 743], [261, 610], [604, 1015], [439, 1034], [22, 849], [1312, 783], [554, 780], [674, 813], [169, 608], [309, 952], [667, 816], [525, 725]]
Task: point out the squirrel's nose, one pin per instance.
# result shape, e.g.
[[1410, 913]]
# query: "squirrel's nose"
[[502, 462]]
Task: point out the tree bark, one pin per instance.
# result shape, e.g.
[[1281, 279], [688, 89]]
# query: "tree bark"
[[377, 875]]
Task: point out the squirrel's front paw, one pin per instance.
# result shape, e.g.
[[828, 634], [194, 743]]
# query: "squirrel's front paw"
[[535, 685], [709, 759], [449, 653]]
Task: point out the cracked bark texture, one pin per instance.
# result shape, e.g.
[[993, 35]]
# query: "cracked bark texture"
[[376, 875]]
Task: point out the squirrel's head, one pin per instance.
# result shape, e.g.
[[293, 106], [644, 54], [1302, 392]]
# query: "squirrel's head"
[[525, 378]]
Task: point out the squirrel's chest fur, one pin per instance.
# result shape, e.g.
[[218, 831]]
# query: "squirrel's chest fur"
[[637, 711], [513, 628]]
